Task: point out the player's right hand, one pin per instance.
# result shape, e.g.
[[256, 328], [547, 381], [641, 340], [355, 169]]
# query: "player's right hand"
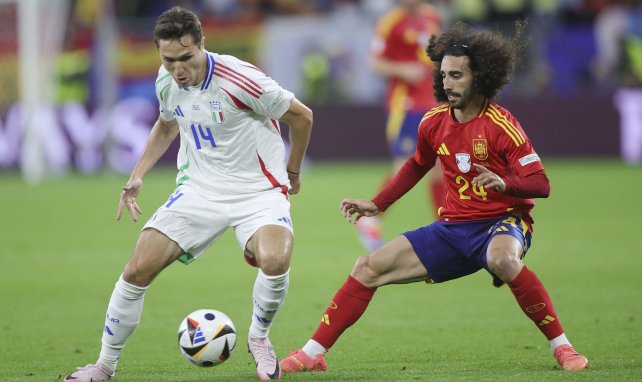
[[128, 199], [355, 209], [295, 183]]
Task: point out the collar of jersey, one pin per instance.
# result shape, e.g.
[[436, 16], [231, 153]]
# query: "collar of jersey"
[[209, 70], [210, 63]]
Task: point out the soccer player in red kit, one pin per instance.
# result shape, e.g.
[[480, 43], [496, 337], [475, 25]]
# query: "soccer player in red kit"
[[491, 172], [398, 54]]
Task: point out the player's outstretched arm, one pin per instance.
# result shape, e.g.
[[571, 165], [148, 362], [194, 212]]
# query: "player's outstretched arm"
[[162, 135], [299, 118], [355, 209]]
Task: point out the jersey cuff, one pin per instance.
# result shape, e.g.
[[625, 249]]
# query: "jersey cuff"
[[165, 119]]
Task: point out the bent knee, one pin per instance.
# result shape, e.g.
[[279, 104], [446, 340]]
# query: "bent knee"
[[504, 263], [274, 264], [136, 275], [365, 273]]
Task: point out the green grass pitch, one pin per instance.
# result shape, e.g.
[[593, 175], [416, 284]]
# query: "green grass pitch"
[[61, 250]]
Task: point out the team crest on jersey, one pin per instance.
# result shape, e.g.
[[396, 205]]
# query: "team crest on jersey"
[[463, 162], [216, 107], [480, 149]]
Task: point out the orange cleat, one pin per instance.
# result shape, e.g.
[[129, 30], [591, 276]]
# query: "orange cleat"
[[569, 359], [298, 361]]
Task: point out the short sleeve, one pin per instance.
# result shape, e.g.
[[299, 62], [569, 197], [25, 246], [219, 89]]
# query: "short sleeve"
[[163, 86], [277, 102], [253, 88]]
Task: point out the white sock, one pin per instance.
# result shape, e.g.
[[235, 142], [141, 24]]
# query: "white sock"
[[559, 340], [269, 294], [123, 315], [312, 348]]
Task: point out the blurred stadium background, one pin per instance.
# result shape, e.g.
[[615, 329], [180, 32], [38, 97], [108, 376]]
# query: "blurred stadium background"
[[76, 85], [77, 103]]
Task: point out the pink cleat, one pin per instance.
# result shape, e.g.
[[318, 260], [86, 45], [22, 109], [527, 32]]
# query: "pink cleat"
[[267, 364], [298, 361], [90, 373], [569, 359]]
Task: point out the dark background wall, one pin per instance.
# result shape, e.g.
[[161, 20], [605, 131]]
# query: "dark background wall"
[[557, 127], [560, 127]]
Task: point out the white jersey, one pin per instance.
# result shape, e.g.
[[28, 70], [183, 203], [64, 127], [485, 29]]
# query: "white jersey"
[[230, 139]]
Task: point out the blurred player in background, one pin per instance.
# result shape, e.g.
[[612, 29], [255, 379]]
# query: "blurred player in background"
[[398, 54], [491, 173], [231, 173]]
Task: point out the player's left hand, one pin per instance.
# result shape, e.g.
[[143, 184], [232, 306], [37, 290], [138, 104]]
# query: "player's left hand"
[[488, 179], [355, 209], [295, 183], [128, 199]]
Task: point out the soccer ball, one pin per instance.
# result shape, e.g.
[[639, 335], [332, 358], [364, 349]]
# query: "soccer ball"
[[206, 337]]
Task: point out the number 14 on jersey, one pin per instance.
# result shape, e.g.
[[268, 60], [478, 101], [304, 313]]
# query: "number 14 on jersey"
[[202, 134]]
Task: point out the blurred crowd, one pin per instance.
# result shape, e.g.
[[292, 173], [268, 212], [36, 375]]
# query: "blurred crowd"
[[576, 45], [317, 48], [572, 11]]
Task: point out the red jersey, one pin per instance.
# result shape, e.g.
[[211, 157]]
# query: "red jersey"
[[403, 37], [493, 139]]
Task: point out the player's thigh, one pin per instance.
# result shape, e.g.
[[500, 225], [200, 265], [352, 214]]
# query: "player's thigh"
[[261, 210], [154, 251], [506, 248], [263, 227], [191, 221], [394, 263], [510, 238], [444, 248]]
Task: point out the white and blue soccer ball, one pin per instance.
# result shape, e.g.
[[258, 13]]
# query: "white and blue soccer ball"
[[207, 337]]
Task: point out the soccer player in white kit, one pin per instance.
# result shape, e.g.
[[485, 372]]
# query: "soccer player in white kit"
[[232, 172]]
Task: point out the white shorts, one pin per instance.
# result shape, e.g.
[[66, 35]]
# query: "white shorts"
[[195, 222]]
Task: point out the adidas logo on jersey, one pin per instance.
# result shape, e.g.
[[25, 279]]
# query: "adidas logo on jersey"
[[286, 220], [178, 112]]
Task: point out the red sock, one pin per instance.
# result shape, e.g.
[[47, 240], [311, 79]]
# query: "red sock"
[[437, 193], [346, 307], [535, 302]]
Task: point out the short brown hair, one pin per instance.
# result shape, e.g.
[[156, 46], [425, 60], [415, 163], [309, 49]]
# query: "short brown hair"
[[176, 23]]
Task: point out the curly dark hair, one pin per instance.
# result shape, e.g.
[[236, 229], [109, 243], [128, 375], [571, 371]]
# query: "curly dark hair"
[[492, 55], [176, 23]]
